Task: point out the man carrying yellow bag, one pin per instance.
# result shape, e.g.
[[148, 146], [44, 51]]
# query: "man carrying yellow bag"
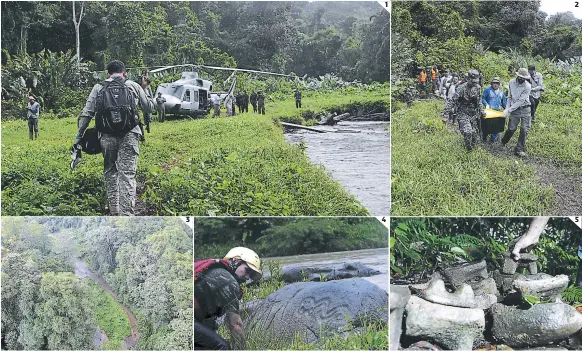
[[494, 101]]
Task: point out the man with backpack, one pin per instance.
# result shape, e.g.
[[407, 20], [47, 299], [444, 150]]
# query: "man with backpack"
[[114, 104], [217, 292]]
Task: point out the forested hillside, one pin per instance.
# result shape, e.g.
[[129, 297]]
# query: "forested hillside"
[[301, 37], [271, 237], [139, 294]]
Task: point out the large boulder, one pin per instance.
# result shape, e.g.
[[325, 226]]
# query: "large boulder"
[[541, 285], [539, 325], [464, 296], [399, 296], [310, 310], [453, 328], [292, 274], [465, 273]]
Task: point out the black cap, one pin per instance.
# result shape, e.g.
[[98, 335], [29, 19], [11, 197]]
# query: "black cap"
[[531, 67]]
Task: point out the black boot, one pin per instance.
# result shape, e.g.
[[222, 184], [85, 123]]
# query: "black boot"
[[30, 135]]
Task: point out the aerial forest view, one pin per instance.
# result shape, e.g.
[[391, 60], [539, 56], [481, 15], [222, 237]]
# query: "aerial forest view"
[[469, 283], [490, 93], [95, 283], [315, 140], [290, 283]]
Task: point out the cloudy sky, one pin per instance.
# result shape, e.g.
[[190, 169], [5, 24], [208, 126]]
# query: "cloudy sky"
[[553, 6]]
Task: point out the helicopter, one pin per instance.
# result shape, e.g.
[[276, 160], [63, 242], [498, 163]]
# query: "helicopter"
[[191, 95]]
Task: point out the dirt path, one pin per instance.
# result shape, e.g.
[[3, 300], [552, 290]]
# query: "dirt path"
[[129, 342], [567, 188]]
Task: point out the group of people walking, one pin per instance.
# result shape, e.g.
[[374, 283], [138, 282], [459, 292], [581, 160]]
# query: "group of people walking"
[[466, 103]]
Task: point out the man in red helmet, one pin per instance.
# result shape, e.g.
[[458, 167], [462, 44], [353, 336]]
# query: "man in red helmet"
[[217, 292]]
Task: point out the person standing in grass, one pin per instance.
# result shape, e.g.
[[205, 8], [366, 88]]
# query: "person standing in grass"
[[245, 102], [215, 99], [217, 291], [261, 102], [494, 98], [161, 107], [297, 98], [254, 101], [32, 113], [114, 104], [537, 86], [466, 102], [519, 110]]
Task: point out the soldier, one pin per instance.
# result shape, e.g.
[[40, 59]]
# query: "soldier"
[[519, 110], [114, 104], [261, 102], [239, 102], [254, 101], [161, 107], [245, 102], [466, 103], [297, 98], [217, 292], [32, 112], [145, 81]]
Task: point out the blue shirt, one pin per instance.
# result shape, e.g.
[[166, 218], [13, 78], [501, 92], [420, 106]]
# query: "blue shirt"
[[495, 100]]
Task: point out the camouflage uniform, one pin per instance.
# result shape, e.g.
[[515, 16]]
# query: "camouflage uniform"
[[254, 101], [217, 293], [466, 104], [120, 153], [261, 103]]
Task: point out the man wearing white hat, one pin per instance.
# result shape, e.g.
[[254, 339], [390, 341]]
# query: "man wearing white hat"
[[32, 112], [519, 110]]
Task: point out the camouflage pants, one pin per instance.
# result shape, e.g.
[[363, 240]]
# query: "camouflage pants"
[[469, 129], [120, 155]]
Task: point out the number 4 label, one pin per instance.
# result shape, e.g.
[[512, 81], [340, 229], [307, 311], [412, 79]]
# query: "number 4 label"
[[385, 220], [577, 220]]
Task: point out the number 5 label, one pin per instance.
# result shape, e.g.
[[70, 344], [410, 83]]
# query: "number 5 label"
[[577, 220]]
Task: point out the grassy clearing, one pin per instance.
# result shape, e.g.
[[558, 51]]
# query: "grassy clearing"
[[432, 174], [225, 166], [371, 336], [110, 317]]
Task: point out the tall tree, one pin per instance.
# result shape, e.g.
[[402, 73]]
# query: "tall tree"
[[77, 24]]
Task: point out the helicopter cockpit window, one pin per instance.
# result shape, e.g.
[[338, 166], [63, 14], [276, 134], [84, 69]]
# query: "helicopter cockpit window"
[[187, 96]]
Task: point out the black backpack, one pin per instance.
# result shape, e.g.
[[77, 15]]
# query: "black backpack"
[[90, 142], [115, 112]]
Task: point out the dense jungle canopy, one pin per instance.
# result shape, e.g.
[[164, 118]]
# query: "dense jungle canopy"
[[350, 39]]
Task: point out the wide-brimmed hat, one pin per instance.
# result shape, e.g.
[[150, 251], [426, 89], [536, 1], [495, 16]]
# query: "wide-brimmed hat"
[[495, 80], [523, 73]]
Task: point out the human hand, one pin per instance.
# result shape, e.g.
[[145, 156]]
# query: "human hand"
[[505, 113], [531, 237]]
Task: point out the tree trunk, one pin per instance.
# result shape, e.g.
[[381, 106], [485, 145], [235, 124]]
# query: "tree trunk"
[[77, 26]]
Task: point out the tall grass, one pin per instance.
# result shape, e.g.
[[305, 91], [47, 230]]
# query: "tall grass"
[[224, 166], [433, 174]]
